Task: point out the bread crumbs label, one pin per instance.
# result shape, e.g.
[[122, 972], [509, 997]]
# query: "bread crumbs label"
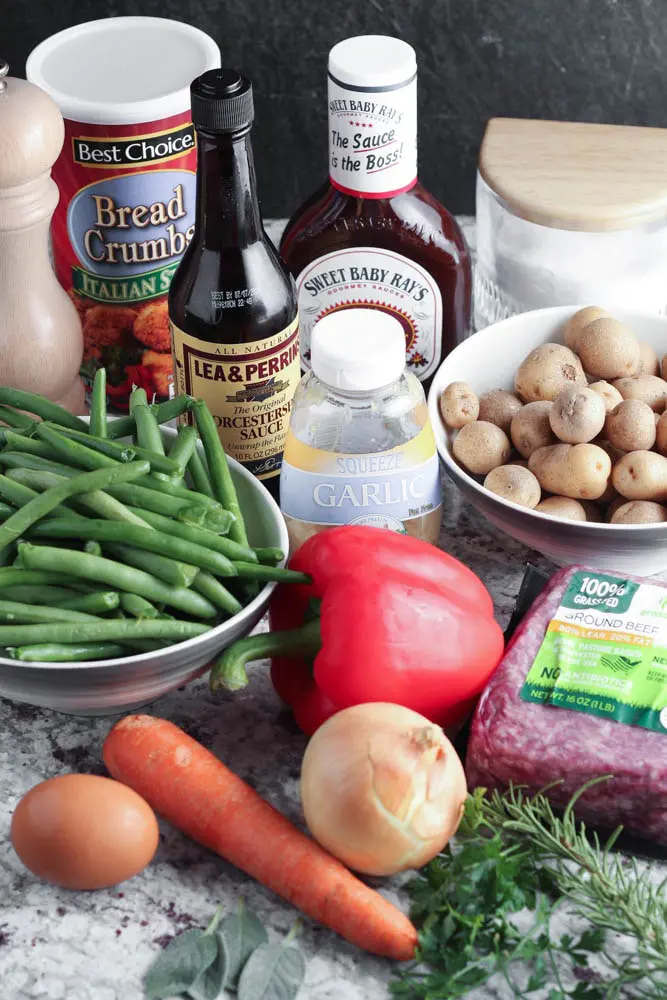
[[605, 652]]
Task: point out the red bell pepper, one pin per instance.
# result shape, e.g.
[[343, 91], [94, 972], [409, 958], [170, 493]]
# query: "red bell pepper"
[[398, 621]]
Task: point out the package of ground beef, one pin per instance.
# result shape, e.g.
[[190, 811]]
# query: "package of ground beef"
[[581, 693]]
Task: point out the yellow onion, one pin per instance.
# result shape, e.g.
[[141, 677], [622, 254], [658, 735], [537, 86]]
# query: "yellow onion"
[[382, 788]]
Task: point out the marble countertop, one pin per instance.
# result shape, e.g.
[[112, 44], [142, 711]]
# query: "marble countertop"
[[60, 945]]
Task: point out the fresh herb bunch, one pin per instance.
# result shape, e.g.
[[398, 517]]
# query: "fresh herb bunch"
[[513, 854], [232, 955]]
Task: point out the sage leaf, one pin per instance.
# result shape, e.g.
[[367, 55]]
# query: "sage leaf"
[[180, 964], [208, 985], [273, 972], [242, 932]]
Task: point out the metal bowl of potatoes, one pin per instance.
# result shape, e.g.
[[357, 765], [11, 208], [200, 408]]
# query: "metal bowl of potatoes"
[[107, 687], [556, 493]]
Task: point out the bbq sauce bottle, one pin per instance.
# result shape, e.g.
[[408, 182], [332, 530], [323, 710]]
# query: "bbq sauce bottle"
[[373, 236], [232, 302]]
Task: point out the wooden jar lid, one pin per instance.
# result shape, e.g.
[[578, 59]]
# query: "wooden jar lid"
[[577, 175]]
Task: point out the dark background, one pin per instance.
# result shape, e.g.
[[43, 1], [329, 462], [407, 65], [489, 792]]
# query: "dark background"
[[585, 60]]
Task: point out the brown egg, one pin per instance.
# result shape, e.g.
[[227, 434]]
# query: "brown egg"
[[80, 831]]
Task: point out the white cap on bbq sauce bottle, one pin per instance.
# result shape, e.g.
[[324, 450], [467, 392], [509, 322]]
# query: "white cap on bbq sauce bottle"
[[372, 93]]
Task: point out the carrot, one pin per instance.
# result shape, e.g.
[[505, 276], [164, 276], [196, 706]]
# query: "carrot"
[[199, 795]]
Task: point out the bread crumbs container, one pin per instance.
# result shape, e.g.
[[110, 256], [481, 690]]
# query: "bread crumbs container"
[[570, 213], [360, 447], [126, 177]]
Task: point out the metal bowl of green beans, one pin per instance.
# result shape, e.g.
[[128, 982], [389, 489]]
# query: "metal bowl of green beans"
[[131, 554]]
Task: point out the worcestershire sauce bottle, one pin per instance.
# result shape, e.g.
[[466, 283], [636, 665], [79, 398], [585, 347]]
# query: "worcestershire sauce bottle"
[[232, 303]]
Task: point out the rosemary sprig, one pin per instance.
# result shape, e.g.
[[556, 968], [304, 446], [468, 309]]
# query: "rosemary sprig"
[[514, 862]]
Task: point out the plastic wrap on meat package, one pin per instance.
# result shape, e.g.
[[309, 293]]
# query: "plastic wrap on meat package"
[[533, 744]]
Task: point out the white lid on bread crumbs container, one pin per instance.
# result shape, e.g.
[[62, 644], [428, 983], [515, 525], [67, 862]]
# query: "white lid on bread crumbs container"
[[126, 178]]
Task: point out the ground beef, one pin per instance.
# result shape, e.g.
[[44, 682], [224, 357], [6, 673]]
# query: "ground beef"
[[529, 744]]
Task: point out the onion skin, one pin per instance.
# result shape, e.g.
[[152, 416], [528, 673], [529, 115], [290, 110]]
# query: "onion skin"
[[382, 788]]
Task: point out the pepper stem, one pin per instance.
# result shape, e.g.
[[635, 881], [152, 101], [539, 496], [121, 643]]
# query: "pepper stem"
[[229, 671]]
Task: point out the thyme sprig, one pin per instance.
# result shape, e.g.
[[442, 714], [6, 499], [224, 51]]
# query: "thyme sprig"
[[485, 907]]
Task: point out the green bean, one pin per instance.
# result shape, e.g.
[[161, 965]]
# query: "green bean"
[[17, 493], [102, 503], [110, 504], [141, 538], [97, 603], [198, 536], [21, 443], [44, 408], [60, 652], [34, 594], [176, 574], [14, 418], [79, 455], [164, 412], [98, 404], [151, 481], [255, 571], [199, 474], [5, 510], [14, 611], [36, 463], [270, 556], [161, 503], [218, 467], [147, 428], [183, 449], [207, 585], [93, 548], [101, 631], [113, 574], [11, 576], [33, 511], [138, 607], [138, 397], [118, 452]]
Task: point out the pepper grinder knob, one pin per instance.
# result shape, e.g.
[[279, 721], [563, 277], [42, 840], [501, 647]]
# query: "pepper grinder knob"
[[40, 332]]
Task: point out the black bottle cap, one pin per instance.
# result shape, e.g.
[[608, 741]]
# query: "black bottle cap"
[[221, 101]]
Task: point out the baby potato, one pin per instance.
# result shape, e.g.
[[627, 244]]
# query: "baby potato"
[[650, 388], [639, 512], [661, 434], [631, 426], [515, 483], [547, 370], [610, 396], [563, 507], [648, 360], [576, 323], [458, 405], [641, 475], [481, 447], [531, 429], [608, 349], [499, 406], [579, 471], [577, 415], [663, 367]]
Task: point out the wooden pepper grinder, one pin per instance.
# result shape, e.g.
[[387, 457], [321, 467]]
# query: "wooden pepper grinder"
[[40, 332]]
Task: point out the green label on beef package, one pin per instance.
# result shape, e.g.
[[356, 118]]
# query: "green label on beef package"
[[605, 652]]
